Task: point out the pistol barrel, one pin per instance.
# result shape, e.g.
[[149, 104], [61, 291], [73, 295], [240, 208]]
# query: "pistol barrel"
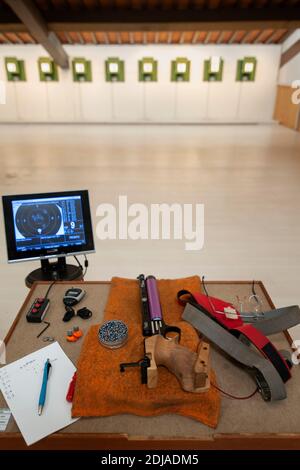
[[146, 321]]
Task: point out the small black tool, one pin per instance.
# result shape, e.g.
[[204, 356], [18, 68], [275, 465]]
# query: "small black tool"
[[44, 329]]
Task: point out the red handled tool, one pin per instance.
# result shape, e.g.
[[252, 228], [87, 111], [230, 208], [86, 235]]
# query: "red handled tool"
[[71, 388]]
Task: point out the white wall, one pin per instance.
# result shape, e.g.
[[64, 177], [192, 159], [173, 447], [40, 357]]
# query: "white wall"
[[290, 71], [195, 101]]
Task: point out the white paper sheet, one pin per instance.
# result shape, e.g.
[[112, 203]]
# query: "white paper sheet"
[[20, 383]]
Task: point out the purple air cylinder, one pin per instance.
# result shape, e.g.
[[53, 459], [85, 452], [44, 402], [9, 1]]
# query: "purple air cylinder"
[[153, 298]]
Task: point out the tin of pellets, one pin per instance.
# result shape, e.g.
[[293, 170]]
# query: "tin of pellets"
[[113, 334]]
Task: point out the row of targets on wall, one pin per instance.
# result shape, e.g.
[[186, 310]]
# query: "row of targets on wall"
[[147, 69]]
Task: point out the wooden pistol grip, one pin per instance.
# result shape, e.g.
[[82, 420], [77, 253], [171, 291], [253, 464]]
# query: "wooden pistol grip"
[[190, 368]]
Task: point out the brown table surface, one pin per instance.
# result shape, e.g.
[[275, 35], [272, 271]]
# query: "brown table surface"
[[243, 423]]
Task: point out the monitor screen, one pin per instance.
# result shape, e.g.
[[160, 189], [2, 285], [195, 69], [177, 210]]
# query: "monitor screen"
[[47, 225]]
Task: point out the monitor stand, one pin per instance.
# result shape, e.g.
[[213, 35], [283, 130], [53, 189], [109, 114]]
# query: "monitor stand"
[[58, 270]]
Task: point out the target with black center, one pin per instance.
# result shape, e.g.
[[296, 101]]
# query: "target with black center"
[[38, 219]]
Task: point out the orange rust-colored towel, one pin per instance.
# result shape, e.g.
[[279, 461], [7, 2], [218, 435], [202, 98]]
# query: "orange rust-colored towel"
[[101, 390]]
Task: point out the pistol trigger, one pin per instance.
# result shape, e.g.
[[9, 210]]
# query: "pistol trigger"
[[172, 329]]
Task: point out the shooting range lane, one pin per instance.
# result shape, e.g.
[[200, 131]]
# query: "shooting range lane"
[[236, 416]]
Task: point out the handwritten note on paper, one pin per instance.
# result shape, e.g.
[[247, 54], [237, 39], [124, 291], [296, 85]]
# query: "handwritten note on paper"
[[20, 384], [4, 418]]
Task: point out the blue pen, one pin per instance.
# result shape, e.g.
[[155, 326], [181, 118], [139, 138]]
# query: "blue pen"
[[42, 398]]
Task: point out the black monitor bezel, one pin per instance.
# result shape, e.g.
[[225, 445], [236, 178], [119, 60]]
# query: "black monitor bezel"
[[13, 255]]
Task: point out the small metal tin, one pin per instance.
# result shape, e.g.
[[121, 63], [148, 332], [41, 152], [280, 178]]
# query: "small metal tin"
[[113, 334]]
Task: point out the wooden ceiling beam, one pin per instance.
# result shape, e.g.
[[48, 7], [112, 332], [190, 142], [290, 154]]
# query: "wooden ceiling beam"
[[148, 27], [286, 35], [233, 37], [290, 53], [207, 37], [80, 38], [290, 26], [26, 38], [69, 40], [106, 38], [94, 39], [29, 14], [271, 37], [259, 37], [13, 38], [221, 37], [195, 37], [4, 39], [246, 37]]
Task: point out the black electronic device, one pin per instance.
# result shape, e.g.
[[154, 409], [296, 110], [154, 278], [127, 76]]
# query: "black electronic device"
[[73, 296], [38, 310], [83, 313], [48, 225]]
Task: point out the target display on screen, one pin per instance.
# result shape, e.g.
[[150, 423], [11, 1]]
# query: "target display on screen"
[[48, 223], [38, 219]]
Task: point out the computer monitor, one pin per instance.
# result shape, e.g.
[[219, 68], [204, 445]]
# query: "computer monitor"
[[49, 225]]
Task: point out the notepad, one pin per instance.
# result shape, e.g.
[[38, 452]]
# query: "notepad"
[[20, 384]]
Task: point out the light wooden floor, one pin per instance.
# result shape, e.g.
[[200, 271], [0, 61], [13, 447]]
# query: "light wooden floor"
[[248, 177]]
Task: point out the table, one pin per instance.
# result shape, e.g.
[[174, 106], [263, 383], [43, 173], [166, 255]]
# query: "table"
[[248, 424]]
